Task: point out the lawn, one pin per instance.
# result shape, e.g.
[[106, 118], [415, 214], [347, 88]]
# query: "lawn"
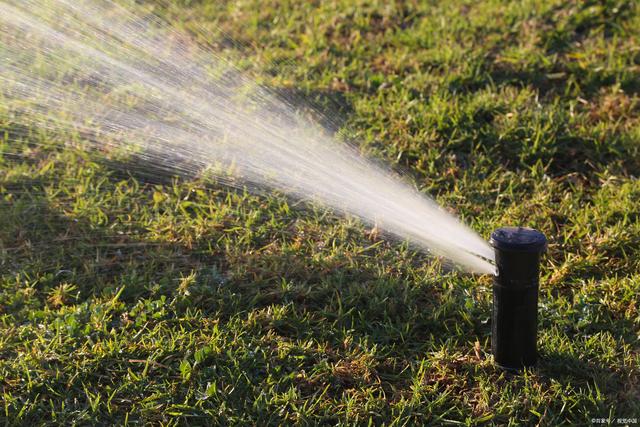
[[133, 297]]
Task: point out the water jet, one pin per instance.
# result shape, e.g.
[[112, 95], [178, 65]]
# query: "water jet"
[[133, 84], [515, 296]]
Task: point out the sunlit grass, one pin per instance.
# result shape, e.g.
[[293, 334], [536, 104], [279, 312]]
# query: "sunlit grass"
[[132, 297]]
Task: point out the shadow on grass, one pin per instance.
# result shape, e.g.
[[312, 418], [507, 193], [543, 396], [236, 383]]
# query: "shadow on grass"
[[328, 108], [573, 372], [566, 368]]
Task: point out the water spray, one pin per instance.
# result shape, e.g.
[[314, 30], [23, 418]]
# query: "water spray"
[[133, 83], [515, 296]]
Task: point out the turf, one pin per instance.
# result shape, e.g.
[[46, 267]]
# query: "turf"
[[134, 298]]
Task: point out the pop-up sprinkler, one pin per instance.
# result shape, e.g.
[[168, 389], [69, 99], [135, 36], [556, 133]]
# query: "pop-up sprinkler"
[[515, 296]]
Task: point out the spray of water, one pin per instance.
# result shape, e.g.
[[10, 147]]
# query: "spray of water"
[[131, 83]]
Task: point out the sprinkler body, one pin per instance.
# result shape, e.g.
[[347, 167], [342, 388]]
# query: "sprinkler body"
[[515, 296]]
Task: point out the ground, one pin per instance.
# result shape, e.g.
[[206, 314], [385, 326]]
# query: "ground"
[[125, 298]]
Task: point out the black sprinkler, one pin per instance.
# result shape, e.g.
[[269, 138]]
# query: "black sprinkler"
[[515, 296]]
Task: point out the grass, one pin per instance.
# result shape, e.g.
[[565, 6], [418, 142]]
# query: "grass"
[[128, 299]]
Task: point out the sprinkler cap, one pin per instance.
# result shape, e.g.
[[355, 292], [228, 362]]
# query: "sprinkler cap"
[[517, 254], [518, 239]]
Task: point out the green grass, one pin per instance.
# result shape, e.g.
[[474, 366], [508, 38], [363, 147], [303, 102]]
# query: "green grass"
[[129, 300]]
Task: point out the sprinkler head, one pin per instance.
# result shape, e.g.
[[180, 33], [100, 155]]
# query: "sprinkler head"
[[515, 296]]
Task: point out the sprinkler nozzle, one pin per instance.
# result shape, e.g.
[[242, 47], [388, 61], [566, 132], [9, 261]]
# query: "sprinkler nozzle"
[[515, 296]]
